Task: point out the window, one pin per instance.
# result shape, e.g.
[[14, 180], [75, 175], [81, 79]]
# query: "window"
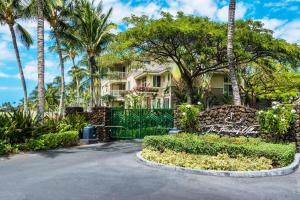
[[227, 86], [128, 85], [166, 103], [158, 103], [156, 81], [144, 82]]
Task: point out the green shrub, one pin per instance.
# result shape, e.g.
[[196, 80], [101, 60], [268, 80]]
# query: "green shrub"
[[277, 120], [51, 141], [73, 122], [17, 126], [219, 162], [280, 154], [189, 117], [5, 148], [49, 125]]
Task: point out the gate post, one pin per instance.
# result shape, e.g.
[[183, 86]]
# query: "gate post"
[[100, 116]]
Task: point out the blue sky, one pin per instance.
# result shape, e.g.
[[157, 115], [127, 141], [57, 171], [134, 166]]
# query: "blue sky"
[[282, 16]]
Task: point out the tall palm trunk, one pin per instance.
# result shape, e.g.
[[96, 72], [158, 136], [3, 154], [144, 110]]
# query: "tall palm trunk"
[[13, 35], [41, 62], [230, 53], [99, 92], [62, 79], [77, 90], [77, 81], [92, 89]]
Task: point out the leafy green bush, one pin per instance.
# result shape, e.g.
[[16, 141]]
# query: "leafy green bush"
[[5, 148], [219, 162], [277, 120], [52, 141], [17, 126], [49, 125], [189, 117], [73, 122], [280, 154]]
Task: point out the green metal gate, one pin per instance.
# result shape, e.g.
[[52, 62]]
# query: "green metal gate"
[[137, 123]]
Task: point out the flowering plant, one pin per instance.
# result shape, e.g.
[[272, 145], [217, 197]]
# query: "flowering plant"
[[189, 115], [143, 89], [277, 120]]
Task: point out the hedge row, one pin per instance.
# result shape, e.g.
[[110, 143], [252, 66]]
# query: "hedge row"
[[280, 154], [44, 142]]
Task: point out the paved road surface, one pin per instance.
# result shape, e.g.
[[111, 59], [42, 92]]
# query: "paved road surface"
[[110, 171]]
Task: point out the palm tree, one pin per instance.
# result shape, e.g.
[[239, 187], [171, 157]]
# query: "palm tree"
[[70, 52], [91, 33], [56, 13], [77, 75], [10, 11], [230, 53], [41, 61]]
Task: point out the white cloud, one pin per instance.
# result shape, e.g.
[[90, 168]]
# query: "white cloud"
[[199, 7], [5, 52], [208, 8], [289, 31], [4, 75], [10, 88], [51, 70], [272, 24], [222, 14]]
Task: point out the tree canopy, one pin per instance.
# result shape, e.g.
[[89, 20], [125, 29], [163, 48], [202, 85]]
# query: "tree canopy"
[[199, 46]]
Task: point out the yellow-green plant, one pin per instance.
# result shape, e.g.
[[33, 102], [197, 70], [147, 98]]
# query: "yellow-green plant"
[[189, 117], [277, 120]]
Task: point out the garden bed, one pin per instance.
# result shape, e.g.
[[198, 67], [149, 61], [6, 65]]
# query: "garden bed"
[[219, 162], [192, 147]]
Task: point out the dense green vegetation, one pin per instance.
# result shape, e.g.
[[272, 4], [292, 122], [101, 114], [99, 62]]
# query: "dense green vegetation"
[[20, 131], [198, 46], [280, 154], [198, 161], [44, 142], [277, 121]]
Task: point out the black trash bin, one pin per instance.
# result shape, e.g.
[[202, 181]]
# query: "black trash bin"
[[89, 135]]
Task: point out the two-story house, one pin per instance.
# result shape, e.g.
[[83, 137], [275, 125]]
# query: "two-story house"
[[154, 82]]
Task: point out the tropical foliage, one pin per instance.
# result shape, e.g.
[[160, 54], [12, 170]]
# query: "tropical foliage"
[[189, 117], [280, 154], [197, 51], [277, 120]]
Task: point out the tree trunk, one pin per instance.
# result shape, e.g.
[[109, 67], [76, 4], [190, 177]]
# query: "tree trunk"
[[92, 90], [99, 92], [41, 62], [230, 54], [14, 40], [62, 79], [189, 87], [77, 91], [73, 61]]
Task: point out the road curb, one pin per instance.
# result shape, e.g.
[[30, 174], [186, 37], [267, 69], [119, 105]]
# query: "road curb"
[[250, 174]]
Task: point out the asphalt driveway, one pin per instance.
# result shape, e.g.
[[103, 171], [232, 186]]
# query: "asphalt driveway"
[[110, 171]]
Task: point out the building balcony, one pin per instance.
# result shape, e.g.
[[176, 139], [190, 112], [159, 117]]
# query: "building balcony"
[[144, 89], [118, 93], [116, 75]]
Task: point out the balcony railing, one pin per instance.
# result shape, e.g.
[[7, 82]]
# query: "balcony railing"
[[118, 93], [116, 75]]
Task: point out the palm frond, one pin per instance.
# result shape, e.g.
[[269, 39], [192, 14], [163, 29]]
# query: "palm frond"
[[25, 36]]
